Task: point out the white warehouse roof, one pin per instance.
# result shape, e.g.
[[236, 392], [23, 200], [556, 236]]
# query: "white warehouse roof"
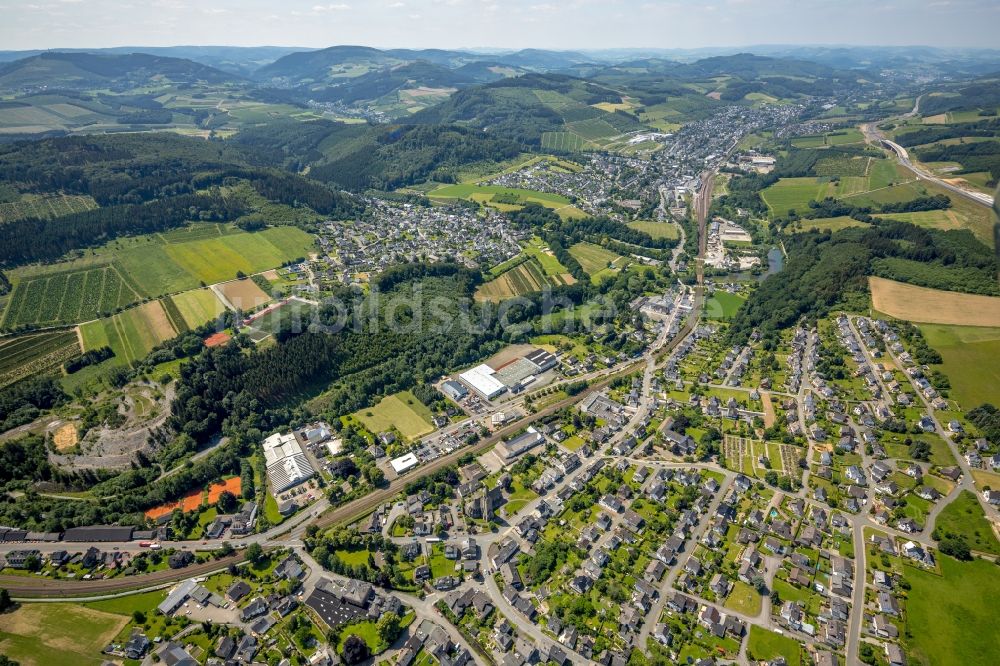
[[404, 463], [287, 464], [482, 379]]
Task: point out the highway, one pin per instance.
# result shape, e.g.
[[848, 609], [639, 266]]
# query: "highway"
[[874, 134]]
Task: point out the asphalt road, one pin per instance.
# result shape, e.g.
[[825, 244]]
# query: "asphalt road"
[[903, 155]]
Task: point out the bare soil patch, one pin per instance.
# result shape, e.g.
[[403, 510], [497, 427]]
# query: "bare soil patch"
[[65, 437], [765, 398]]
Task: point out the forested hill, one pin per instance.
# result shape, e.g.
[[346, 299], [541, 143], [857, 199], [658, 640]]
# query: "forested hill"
[[522, 109], [142, 183], [80, 71], [360, 157]]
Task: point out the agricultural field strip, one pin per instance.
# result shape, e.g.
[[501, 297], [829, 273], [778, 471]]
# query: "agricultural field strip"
[[32, 304]]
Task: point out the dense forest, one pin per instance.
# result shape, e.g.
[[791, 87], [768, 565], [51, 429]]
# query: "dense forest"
[[511, 109], [24, 401], [395, 156]]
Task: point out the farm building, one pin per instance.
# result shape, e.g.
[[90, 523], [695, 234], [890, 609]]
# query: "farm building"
[[404, 463], [482, 380], [287, 465]]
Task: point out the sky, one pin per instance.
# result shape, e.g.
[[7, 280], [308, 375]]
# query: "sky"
[[553, 24]]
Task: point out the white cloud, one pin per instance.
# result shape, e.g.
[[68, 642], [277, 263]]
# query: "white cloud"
[[341, 7]]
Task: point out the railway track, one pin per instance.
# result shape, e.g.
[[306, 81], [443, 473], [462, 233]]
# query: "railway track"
[[21, 587]]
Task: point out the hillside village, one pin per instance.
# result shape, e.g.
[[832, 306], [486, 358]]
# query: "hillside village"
[[614, 440]]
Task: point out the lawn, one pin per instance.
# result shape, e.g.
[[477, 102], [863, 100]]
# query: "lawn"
[[440, 565], [969, 354], [353, 557], [951, 618], [984, 478], [401, 411], [365, 630], [723, 305], [596, 261], [744, 599], [964, 516], [519, 496], [57, 634], [144, 601], [764, 644], [656, 229]]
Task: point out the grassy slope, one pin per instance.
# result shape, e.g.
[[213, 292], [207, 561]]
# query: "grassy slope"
[[949, 617], [965, 516], [969, 354]]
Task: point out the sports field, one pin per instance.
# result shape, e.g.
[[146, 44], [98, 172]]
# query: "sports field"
[[933, 306], [128, 270], [656, 229], [57, 634], [596, 261], [401, 411], [970, 356], [949, 616]]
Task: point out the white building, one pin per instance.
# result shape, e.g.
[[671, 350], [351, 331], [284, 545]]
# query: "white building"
[[483, 381], [287, 465], [404, 463]]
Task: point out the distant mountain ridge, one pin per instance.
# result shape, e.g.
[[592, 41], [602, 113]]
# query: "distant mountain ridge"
[[87, 70]]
